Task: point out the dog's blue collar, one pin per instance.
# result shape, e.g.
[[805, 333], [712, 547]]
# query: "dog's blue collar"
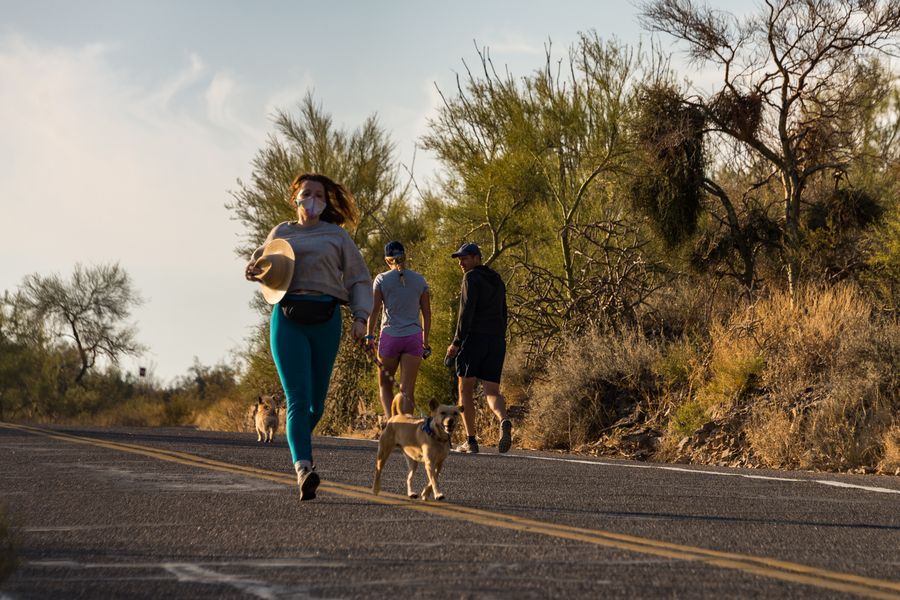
[[426, 426]]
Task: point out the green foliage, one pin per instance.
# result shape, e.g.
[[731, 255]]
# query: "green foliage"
[[308, 141], [89, 311], [353, 390], [37, 369], [678, 363], [733, 377], [535, 167], [884, 260], [689, 416], [778, 133], [669, 190]]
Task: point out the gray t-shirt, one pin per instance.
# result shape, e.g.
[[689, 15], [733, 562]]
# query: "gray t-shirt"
[[400, 315]]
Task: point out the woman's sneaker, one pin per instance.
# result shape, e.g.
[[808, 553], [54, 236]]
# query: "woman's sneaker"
[[308, 481], [505, 442], [470, 447]]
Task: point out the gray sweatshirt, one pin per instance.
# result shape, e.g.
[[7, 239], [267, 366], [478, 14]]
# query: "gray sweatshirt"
[[326, 261]]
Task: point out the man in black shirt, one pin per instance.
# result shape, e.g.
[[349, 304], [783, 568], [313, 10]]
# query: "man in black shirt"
[[479, 345]]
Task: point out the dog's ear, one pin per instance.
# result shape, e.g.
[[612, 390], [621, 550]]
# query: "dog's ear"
[[259, 399], [432, 404]]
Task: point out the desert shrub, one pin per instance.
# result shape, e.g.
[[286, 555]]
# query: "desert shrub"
[[771, 433], [8, 546], [518, 375], [890, 462], [708, 379], [687, 417], [679, 363], [801, 339], [593, 380], [140, 411], [831, 381], [233, 414], [682, 308], [181, 409], [883, 277], [734, 369]]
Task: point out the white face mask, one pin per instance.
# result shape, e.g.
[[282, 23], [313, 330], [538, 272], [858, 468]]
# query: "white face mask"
[[312, 207]]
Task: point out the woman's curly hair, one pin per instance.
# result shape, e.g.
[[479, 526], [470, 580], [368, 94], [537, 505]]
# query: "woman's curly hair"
[[340, 206]]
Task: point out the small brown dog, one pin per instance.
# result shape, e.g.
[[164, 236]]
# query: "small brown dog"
[[422, 441], [265, 416]]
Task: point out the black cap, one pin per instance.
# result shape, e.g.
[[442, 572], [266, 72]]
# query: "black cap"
[[394, 248], [467, 249]]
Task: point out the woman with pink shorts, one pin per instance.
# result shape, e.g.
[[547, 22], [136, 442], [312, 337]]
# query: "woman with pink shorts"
[[401, 295]]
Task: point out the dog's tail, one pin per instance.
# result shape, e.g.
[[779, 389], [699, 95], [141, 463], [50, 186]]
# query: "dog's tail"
[[397, 405]]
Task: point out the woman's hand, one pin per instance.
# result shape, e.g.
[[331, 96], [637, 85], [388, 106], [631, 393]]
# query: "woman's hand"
[[252, 272], [358, 330]]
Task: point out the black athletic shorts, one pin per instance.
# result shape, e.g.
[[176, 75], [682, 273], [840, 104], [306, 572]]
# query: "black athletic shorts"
[[481, 356]]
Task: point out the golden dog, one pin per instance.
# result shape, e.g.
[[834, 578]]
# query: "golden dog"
[[265, 416], [422, 441]]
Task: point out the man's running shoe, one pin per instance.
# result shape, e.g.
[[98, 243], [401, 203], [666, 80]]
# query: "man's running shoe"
[[505, 436]]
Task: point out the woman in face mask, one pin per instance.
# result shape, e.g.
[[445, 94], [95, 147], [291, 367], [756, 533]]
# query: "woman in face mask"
[[305, 327]]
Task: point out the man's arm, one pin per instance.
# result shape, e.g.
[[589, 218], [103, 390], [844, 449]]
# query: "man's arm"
[[468, 300]]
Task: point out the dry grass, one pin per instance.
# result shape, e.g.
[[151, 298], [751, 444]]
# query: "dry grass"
[[134, 412], [145, 411], [773, 437], [734, 369], [231, 414], [801, 339], [890, 462], [715, 378], [831, 383], [812, 385], [594, 380]]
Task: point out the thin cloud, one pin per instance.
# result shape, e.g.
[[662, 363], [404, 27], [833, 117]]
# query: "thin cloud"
[[93, 172], [181, 81], [222, 92]]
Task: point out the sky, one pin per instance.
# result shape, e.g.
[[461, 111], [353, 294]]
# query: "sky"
[[125, 125]]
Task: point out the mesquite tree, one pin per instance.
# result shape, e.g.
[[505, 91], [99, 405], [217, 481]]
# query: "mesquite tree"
[[535, 163], [90, 310], [796, 78], [362, 159]]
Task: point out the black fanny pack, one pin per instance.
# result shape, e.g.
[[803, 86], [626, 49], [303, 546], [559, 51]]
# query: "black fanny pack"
[[307, 312]]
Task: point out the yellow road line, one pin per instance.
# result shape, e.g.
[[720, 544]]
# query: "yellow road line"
[[757, 565]]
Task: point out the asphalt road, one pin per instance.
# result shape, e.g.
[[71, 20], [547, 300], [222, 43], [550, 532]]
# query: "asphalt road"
[[159, 513]]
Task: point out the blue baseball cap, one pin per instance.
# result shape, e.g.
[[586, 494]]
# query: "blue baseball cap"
[[394, 248], [467, 249]]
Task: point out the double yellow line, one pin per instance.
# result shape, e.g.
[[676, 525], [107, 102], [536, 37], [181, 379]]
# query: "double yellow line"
[[757, 565]]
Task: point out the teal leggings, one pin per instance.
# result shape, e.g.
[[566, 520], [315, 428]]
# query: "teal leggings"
[[304, 356]]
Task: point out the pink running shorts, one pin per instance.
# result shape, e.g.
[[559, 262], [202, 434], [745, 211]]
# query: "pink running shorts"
[[392, 347]]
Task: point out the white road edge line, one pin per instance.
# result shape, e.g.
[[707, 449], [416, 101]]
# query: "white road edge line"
[[601, 463]]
